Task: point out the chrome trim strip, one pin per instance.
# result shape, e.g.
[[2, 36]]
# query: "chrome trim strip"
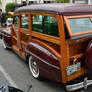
[[43, 60], [5, 35]]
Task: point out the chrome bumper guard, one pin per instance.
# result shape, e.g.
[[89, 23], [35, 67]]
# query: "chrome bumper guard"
[[80, 85]]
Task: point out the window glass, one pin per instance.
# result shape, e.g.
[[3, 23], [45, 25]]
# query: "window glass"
[[24, 21], [16, 20], [50, 26], [37, 24], [80, 24], [90, 1], [45, 24]]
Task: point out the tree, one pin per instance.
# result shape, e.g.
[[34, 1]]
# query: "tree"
[[62, 1], [0, 2], [9, 8]]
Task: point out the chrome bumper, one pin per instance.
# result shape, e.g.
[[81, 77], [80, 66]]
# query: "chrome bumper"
[[80, 85]]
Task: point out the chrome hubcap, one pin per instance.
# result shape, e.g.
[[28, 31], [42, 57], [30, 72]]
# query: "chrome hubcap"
[[33, 67]]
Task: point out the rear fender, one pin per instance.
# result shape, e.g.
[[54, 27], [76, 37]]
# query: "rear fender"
[[47, 61]]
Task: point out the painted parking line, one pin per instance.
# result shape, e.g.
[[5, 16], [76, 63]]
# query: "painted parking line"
[[7, 76]]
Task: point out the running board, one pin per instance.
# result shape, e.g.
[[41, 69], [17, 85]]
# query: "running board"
[[80, 85]]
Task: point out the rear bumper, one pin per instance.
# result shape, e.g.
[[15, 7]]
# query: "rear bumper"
[[80, 85]]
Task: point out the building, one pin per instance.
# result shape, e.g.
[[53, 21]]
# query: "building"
[[39, 1], [81, 1]]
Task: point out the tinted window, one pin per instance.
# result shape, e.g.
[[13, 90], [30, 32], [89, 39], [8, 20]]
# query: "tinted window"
[[50, 26], [37, 23], [24, 21], [16, 20], [45, 24]]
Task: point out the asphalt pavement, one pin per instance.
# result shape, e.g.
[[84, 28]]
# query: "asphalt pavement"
[[15, 71]]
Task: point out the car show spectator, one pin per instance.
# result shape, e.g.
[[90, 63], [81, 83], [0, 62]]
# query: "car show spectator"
[[2, 18]]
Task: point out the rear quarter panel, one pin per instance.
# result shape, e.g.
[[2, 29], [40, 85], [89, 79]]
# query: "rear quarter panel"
[[47, 62]]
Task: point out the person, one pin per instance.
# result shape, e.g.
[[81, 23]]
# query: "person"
[[2, 18]]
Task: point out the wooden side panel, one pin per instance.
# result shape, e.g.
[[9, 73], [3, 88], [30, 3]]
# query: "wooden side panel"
[[64, 60]]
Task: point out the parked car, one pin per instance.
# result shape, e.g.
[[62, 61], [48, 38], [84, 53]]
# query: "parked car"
[[55, 39]]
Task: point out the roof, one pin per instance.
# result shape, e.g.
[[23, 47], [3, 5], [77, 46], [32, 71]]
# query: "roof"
[[57, 8]]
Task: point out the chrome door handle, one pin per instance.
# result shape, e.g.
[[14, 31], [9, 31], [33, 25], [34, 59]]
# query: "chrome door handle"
[[27, 34]]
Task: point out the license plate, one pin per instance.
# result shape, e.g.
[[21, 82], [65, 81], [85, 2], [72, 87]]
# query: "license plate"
[[73, 68]]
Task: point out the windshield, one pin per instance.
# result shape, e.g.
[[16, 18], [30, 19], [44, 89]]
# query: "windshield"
[[80, 25]]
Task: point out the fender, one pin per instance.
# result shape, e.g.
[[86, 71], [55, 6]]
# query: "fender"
[[6, 35], [47, 61], [88, 56]]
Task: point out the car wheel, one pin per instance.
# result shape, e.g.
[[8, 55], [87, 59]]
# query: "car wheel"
[[3, 43], [34, 68]]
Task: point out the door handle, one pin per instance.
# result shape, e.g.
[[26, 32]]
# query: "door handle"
[[28, 34]]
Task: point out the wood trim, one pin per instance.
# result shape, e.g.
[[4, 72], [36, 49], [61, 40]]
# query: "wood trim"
[[77, 56], [80, 33], [15, 27], [14, 37], [64, 50], [16, 14], [50, 48], [15, 48], [25, 13], [11, 13], [69, 28], [24, 43], [25, 31], [44, 14], [79, 16], [45, 37], [71, 42]]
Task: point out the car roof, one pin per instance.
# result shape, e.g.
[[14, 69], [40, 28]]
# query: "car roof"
[[58, 8]]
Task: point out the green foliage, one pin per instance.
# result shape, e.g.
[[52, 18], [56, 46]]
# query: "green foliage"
[[62, 1], [0, 2], [9, 8]]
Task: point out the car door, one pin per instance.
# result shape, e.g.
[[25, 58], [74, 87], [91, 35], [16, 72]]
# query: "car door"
[[24, 32], [15, 34]]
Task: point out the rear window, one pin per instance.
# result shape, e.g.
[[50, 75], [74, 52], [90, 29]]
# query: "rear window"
[[80, 25]]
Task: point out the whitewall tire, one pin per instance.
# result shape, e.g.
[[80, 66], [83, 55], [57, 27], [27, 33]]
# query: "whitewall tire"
[[34, 68], [3, 43]]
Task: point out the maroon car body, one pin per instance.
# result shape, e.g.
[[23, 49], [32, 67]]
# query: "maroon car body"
[[43, 35]]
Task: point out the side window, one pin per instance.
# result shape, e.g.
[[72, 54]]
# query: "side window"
[[15, 21], [37, 23], [24, 21], [45, 24], [50, 26]]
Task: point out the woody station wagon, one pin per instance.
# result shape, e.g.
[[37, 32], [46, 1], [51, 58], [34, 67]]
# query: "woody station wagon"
[[55, 39]]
